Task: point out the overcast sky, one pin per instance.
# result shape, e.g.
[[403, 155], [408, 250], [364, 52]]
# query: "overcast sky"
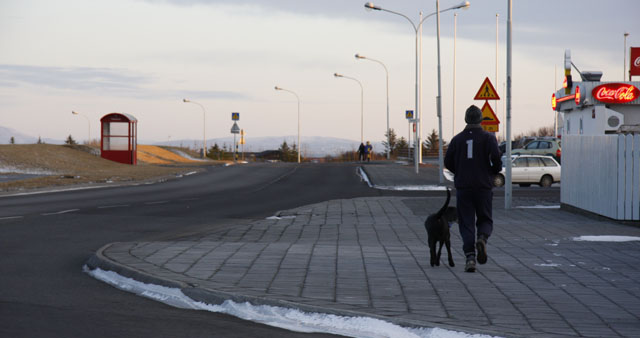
[[144, 57]]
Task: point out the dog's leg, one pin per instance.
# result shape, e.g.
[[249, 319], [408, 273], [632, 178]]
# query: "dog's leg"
[[432, 251], [438, 256], [448, 244]]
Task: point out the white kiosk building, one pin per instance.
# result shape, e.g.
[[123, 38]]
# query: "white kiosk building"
[[601, 146]]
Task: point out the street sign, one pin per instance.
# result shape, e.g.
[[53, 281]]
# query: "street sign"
[[487, 91], [490, 121], [235, 116], [409, 114], [235, 129]]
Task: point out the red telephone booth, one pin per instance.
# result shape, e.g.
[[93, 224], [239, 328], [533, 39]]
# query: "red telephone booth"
[[119, 138]]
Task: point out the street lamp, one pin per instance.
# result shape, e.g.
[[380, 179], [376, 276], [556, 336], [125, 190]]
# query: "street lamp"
[[358, 56], [88, 124], [417, 29], [297, 97], [361, 104], [204, 139]]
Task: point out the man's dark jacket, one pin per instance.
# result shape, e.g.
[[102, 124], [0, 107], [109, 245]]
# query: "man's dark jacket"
[[474, 158]]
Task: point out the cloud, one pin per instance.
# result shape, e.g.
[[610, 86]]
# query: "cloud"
[[108, 81], [74, 78], [207, 94]]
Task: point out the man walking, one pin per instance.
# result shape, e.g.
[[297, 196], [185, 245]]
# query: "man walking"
[[361, 150], [474, 158]]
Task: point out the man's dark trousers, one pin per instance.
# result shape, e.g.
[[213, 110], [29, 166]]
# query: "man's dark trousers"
[[472, 203]]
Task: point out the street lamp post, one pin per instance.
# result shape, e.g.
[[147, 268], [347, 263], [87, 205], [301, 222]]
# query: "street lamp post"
[[624, 54], [361, 103], [507, 185], [358, 56], [455, 24], [417, 29], [204, 138], [297, 97], [88, 124]]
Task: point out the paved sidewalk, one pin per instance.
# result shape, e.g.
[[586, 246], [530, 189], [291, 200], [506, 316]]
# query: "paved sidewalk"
[[370, 256]]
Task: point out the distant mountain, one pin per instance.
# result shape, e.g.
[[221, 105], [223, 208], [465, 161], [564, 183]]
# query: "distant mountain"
[[20, 138], [312, 146]]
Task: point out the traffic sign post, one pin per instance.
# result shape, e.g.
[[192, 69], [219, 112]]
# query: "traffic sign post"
[[235, 116], [487, 92], [490, 121], [235, 130], [413, 123], [409, 116], [242, 142]]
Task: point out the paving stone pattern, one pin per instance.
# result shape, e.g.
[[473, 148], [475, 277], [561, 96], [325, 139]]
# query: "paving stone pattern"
[[370, 255]]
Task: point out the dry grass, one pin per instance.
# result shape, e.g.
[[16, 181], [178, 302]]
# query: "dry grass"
[[73, 165], [157, 155]]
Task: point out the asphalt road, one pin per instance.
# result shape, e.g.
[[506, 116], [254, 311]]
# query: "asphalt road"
[[45, 239], [44, 293]]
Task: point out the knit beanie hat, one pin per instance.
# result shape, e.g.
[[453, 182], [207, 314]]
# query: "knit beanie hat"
[[473, 115]]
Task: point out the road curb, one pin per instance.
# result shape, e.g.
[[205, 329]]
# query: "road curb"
[[100, 260], [217, 297]]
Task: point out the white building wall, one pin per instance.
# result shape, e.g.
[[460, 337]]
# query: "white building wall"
[[601, 174]]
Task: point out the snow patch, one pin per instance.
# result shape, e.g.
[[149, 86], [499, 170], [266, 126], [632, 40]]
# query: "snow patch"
[[448, 175], [412, 187], [290, 319], [360, 172], [185, 155], [5, 169], [169, 296], [606, 238], [365, 178], [539, 207], [281, 217]]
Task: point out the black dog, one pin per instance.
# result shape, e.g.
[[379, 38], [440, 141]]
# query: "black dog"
[[437, 226]]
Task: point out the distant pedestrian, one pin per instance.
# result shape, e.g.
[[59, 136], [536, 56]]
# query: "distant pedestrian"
[[474, 158], [368, 150], [361, 150]]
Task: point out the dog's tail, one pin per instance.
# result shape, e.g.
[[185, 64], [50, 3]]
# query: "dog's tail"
[[446, 204]]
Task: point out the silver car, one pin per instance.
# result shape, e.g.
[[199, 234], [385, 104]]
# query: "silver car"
[[530, 169]]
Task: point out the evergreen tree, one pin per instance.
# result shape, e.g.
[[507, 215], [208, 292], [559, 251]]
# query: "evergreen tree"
[[12, 140], [214, 152], [401, 144], [285, 152], [402, 147], [391, 145], [70, 140], [432, 141], [294, 153], [288, 154], [40, 140]]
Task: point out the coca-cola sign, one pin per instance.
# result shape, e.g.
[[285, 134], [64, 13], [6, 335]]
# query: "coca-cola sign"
[[615, 93], [634, 61]]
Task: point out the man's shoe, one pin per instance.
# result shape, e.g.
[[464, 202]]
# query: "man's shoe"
[[481, 246], [470, 266]]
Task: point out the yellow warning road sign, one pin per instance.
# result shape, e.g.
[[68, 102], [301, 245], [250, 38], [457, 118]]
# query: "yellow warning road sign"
[[490, 121], [492, 128], [487, 92]]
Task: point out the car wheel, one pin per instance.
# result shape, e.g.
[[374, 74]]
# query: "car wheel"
[[498, 180], [546, 181], [525, 184]]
